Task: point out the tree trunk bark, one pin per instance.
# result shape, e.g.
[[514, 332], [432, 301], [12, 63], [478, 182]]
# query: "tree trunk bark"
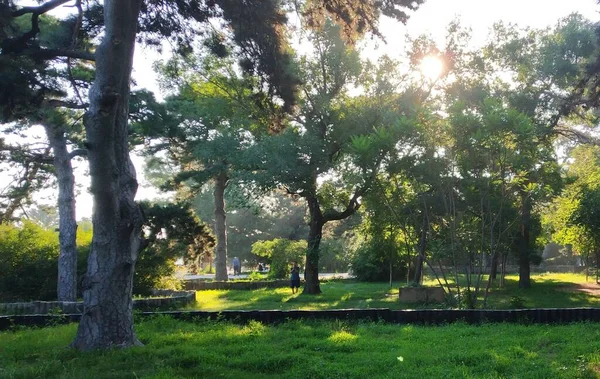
[[494, 266], [524, 259], [67, 259], [107, 318], [422, 247], [220, 227], [311, 271]]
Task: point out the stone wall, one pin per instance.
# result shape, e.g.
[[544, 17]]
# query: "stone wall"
[[162, 299], [401, 316]]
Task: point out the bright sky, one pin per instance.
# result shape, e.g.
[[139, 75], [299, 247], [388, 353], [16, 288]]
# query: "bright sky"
[[432, 18]]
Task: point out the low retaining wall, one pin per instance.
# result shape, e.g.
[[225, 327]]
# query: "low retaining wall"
[[200, 285], [424, 316], [164, 299]]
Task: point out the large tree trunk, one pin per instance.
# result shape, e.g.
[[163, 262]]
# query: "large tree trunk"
[[220, 227], [67, 259], [524, 259], [107, 319], [422, 247], [311, 271]]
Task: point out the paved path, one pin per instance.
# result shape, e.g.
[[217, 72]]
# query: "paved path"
[[323, 275]]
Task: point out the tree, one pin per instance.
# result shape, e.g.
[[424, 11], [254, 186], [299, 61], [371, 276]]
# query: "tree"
[[570, 218], [545, 65], [204, 129], [332, 154]]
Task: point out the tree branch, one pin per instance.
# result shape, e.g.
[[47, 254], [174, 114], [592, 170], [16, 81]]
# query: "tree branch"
[[54, 103], [39, 9], [577, 136], [78, 153], [58, 53], [17, 44], [293, 193], [351, 208]]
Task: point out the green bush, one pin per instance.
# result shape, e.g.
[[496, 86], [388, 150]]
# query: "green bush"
[[28, 262], [155, 263], [280, 253], [29, 253], [371, 261]]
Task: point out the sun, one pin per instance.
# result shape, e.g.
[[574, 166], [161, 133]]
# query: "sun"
[[431, 67]]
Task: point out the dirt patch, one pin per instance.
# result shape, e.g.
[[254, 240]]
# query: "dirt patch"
[[588, 288]]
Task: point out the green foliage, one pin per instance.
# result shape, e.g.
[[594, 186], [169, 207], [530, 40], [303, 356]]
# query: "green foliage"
[[335, 254], [172, 232], [371, 261], [29, 261], [517, 302], [280, 253], [570, 219]]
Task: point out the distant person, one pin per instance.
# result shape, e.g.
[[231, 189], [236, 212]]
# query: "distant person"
[[295, 278], [237, 267], [260, 267]]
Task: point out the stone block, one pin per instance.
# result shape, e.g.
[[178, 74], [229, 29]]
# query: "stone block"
[[422, 295]]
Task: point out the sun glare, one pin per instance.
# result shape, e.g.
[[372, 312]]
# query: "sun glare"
[[431, 67]]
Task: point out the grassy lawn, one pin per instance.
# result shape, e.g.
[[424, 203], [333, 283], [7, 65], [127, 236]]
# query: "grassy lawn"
[[177, 349], [548, 290]]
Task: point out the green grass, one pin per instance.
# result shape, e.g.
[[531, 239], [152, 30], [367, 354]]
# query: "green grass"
[[336, 295], [177, 349], [548, 290]]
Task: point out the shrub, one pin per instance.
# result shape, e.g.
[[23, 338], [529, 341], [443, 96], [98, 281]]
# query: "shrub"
[[280, 253], [28, 262], [29, 253], [371, 261]]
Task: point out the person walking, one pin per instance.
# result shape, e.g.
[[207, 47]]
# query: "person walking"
[[237, 269], [295, 278]]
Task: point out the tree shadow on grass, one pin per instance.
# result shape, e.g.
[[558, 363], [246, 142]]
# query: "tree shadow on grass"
[[544, 293]]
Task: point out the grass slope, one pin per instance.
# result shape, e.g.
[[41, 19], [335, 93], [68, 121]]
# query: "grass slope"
[[176, 349]]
